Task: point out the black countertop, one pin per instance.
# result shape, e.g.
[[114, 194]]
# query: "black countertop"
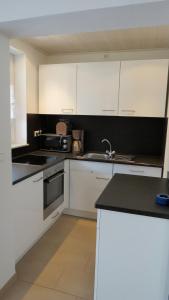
[[140, 160], [134, 195], [23, 171]]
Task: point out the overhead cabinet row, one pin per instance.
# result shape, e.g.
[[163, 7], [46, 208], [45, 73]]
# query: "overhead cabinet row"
[[128, 88]]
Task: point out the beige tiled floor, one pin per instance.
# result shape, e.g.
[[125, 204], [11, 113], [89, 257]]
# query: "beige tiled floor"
[[60, 266]]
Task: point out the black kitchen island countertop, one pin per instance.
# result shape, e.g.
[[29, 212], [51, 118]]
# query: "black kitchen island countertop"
[[134, 195]]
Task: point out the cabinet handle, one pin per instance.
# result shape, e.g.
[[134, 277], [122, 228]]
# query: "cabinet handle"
[[136, 171], [108, 109], [128, 110], [37, 180], [67, 109], [102, 178], [57, 214]]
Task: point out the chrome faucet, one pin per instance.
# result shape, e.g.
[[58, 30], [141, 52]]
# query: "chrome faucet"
[[109, 152]]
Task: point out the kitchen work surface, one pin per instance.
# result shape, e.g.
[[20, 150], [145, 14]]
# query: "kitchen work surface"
[[135, 195], [139, 160], [60, 266], [21, 171], [28, 165]]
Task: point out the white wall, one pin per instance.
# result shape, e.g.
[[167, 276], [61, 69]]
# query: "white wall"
[[7, 266], [21, 100], [107, 56], [33, 59]]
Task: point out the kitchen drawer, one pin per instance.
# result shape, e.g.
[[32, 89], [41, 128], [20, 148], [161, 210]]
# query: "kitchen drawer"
[[91, 166], [137, 170], [52, 218]]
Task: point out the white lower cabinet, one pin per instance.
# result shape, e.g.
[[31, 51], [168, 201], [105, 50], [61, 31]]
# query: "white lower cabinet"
[[28, 213], [137, 170], [29, 221], [87, 181], [131, 257]]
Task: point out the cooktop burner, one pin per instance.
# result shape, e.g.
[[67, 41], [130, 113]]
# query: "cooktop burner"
[[35, 159]]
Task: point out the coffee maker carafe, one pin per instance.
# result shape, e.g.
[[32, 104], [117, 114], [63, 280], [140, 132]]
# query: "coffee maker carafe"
[[78, 141]]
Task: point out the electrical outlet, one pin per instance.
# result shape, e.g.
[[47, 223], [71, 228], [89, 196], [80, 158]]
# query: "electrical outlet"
[[36, 133]]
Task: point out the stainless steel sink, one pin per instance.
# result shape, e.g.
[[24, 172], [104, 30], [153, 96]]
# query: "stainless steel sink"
[[104, 156], [100, 156], [124, 158]]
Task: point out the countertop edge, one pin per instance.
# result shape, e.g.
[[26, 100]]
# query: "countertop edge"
[[132, 211], [69, 156]]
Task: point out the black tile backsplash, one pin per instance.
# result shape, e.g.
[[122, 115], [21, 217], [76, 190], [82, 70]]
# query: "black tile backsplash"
[[130, 135]]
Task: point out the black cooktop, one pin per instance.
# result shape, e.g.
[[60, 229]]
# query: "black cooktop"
[[34, 159]]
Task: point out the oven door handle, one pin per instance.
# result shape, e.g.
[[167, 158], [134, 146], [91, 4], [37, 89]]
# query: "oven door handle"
[[54, 178]]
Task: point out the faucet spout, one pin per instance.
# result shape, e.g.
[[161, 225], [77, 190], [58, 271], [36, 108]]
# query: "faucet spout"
[[109, 152]]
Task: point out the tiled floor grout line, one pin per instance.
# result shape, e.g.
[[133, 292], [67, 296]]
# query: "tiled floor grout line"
[[48, 288]]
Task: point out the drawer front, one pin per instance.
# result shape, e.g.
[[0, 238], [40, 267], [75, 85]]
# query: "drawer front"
[[98, 168], [49, 221], [138, 170]]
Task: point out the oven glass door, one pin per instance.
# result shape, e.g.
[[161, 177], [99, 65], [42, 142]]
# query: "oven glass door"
[[53, 188]]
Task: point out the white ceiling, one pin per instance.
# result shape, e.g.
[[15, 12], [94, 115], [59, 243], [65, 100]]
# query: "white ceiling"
[[23, 9], [54, 17], [142, 38]]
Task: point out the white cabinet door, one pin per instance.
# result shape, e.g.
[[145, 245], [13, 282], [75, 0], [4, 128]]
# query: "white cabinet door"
[[28, 213], [137, 170], [132, 257], [98, 88], [143, 86], [57, 89], [87, 181]]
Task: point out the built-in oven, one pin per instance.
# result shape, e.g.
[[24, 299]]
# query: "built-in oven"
[[53, 188]]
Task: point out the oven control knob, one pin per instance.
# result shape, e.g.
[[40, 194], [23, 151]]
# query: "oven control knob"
[[64, 146], [64, 141]]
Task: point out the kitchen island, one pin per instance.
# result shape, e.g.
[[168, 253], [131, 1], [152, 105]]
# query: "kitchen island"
[[132, 255]]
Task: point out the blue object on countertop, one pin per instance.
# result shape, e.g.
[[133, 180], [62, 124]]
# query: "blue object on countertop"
[[162, 199]]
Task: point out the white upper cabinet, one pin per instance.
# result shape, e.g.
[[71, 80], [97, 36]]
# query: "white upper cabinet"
[[57, 89], [98, 88], [143, 86], [128, 88]]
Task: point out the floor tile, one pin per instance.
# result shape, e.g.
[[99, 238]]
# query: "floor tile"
[[61, 264], [76, 282], [40, 274], [25, 291], [43, 251]]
